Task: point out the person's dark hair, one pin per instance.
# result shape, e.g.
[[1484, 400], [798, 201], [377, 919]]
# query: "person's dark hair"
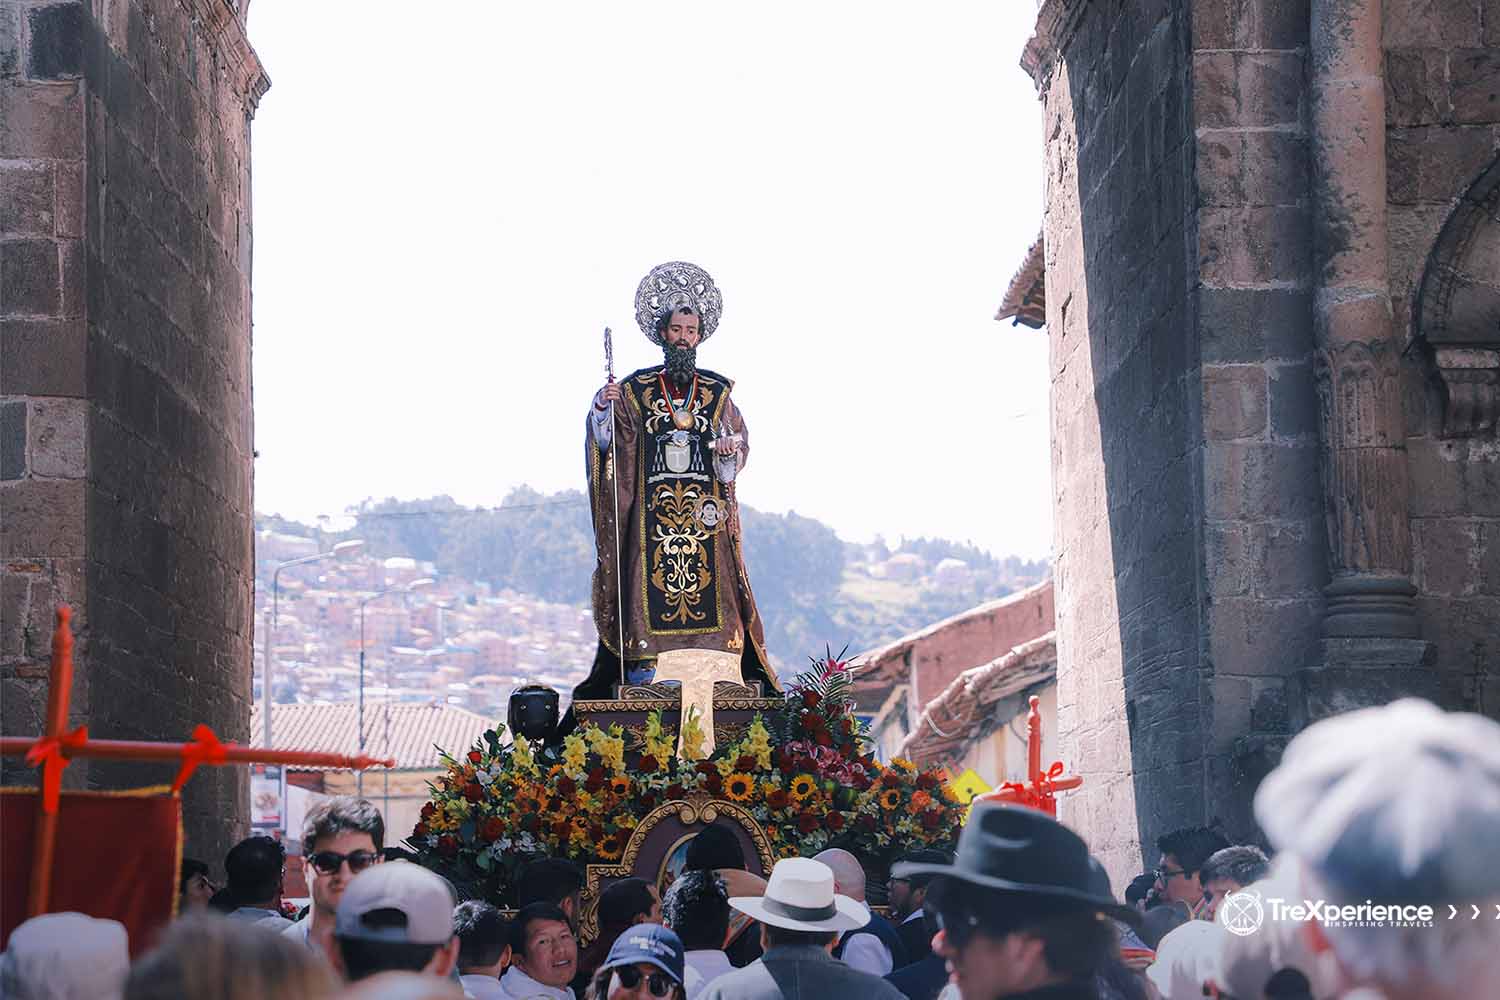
[[784, 936], [363, 959], [1139, 887], [191, 869], [1242, 864], [528, 915], [599, 987], [664, 318], [340, 813], [1077, 944], [1191, 846], [482, 934], [254, 867], [623, 901], [715, 846], [697, 908], [926, 856], [547, 880]]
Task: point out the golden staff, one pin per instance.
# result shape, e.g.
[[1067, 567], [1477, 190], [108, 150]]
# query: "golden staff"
[[614, 469]]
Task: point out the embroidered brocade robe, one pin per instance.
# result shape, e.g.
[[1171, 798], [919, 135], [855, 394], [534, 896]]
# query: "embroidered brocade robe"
[[685, 584]]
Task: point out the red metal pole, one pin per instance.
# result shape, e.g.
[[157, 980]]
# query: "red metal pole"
[[141, 750], [1034, 743], [61, 685]]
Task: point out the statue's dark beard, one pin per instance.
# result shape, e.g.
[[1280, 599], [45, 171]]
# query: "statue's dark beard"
[[682, 363]]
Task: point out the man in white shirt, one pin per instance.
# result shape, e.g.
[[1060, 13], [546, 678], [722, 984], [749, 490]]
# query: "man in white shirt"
[[341, 837], [544, 955], [483, 949], [696, 906], [255, 867], [869, 948]]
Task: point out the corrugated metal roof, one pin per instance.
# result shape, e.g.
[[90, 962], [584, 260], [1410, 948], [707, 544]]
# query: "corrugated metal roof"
[[416, 730]]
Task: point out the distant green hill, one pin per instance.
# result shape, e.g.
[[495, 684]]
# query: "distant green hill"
[[813, 588]]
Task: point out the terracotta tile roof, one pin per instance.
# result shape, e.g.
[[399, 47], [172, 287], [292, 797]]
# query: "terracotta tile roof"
[[956, 716], [415, 728], [1025, 300]]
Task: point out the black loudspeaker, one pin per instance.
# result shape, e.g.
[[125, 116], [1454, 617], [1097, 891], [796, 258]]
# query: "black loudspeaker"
[[533, 712]]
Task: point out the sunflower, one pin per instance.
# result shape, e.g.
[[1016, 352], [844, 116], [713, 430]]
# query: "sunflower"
[[902, 764], [739, 787], [610, 847], [890, 798], [619, 785], [802, 787]]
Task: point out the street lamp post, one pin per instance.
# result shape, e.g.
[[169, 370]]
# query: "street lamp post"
[[339, 551], [360, 711]]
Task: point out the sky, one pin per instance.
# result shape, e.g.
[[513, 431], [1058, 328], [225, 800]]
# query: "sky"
[[451, 205]]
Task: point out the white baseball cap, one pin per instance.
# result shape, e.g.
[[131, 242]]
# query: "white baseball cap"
[[422, 898]]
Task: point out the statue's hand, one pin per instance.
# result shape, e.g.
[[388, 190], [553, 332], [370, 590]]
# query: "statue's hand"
[[727, 445], [609, 394]]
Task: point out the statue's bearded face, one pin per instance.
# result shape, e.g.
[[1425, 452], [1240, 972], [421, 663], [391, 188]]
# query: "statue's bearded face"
[[680, 346]]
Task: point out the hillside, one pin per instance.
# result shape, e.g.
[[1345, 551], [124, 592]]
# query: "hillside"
[[813, 588]]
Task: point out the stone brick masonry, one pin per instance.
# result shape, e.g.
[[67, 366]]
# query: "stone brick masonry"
[[125, 426], [1191, 545]]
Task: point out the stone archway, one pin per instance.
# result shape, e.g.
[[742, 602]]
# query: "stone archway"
[[1457, 313]]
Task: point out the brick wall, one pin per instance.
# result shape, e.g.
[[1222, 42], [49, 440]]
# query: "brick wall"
[[1442, 69], [134, 497]]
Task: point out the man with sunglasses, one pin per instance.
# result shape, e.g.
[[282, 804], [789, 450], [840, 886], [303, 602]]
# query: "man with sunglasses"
[[341, 837], [1018, 909]]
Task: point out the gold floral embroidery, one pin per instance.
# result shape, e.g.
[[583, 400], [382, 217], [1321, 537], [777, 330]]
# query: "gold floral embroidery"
[[679, 564]]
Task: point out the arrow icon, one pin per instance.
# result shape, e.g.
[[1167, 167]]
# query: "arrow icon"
[[1453, 910], [1476, 911], [1497, 911]]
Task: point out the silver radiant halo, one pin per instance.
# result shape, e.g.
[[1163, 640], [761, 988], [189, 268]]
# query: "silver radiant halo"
[[677, 283]]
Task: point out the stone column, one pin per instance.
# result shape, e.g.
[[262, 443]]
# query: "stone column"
[[1371, 617]]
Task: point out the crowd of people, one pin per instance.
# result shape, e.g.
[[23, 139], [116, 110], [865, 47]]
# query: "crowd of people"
[[1395, 808]]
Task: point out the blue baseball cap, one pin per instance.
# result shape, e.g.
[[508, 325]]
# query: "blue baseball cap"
[[650, 943]]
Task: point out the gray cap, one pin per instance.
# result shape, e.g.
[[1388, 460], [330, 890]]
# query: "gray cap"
[[1393, 804], [424, 900]]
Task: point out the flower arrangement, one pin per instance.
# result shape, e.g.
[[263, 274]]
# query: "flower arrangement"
[[811, 786]]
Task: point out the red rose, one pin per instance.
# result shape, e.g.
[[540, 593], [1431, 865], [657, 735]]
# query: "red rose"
[[782, 759], [428, 810], [596, 780], [777, 798], [927, 780], [447, 846], [474, 792], [531, 822], [865, 824], [675, 790], [562, 827], [648, 764], [814, 723], [745, 763], [823, 739], [810, 699], [847, 726], [475, 756], [714, 784], [930, 819], [596, 833], [860, 780], [492, 828], [835, 821], [420, 830], [807, 822], [648, 800], [891, 779], [706, 767], [566, 786]]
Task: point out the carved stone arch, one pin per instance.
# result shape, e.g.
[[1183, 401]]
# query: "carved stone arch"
[[1457, 311]]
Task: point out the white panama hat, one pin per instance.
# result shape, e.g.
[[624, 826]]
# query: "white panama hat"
[[800, 897]]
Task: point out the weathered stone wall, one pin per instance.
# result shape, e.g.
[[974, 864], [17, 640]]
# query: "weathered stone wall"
[[1264, 557], [134, 502], [1125, 414], [1442, 65]]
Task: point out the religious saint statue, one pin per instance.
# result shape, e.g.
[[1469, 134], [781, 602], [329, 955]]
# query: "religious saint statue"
[[663, 448]]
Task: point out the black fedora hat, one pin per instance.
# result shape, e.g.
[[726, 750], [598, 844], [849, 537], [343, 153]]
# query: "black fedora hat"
[[1022, 852]]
